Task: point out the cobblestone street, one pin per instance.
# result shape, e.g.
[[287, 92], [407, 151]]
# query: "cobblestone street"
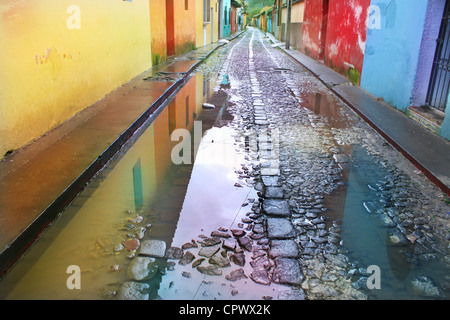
[[292, 196], [309, 150]]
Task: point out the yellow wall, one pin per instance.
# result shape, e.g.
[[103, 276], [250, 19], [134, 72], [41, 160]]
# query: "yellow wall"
[[199, 23], [200, 28], [298, 12], [51, 69]]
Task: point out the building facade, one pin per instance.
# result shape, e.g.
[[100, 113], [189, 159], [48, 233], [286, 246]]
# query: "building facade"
[[60, 57], [396, 50]]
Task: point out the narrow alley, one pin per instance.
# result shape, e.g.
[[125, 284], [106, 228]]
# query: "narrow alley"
[[254, 182]]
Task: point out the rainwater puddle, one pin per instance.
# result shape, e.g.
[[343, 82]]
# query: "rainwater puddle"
[[141, 194], [370, 217]]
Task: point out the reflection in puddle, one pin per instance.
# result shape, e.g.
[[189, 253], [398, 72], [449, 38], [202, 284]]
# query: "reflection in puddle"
[[324, 105], [141, 195]]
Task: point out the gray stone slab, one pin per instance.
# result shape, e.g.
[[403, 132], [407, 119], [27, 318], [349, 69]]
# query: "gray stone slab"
[[276, 207], [270, 171], [280, 228], [284, 249], [274, 192], [287, 271], [262, 122], [297, 294], [271, 181], [153, 248]]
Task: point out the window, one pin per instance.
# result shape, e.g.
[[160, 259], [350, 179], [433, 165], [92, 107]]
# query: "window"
[[206, 11], [186, 5]]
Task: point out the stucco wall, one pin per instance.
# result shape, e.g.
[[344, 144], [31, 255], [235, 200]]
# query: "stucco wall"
[[445, 127], [158, 30], [346, 36], [181, 28], [392, 51], [58, 58], [314, 19], [427, 50]]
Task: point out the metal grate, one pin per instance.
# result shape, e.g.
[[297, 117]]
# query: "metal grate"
[[440, 76]]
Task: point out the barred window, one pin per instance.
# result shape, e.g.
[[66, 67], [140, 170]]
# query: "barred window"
[[206, 11]]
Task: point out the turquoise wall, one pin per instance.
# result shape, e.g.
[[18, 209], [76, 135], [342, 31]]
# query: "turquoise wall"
[[226, 18], [445, 127], [392, 50]]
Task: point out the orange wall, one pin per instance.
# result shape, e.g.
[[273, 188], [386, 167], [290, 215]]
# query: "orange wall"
[[158, 30], [183, 26]]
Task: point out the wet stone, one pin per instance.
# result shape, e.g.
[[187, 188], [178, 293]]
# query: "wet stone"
[[260, 276], [279, 228], [270, 171], [229, 244], [276, 207], [188, 257], [210, 270], [274, 192], [262, 262], [271, 181], [142, 268], [297, 294], [153, 248], [174, 253], [209, 251], [284, 249], [220, 234], [189, 245], [238, 232], [219, 261], [245, 242], [131, 244], [131, 290], [236, 275], [197, 262], [287, 271], [238, 259], [209, 241], [396, 238]]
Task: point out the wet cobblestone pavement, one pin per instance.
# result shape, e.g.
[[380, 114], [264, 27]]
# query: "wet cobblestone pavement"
[[291, 196], [303, 143]]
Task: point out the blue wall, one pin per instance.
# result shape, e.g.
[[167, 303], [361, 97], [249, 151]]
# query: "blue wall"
[[392, 50]]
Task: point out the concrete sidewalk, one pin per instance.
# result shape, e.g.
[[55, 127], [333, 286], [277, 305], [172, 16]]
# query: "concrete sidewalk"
[[38, 181], [427, 151]]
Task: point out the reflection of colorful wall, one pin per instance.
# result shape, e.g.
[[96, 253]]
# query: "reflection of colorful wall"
[[58, 59], [158, 30], [179, 114]]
